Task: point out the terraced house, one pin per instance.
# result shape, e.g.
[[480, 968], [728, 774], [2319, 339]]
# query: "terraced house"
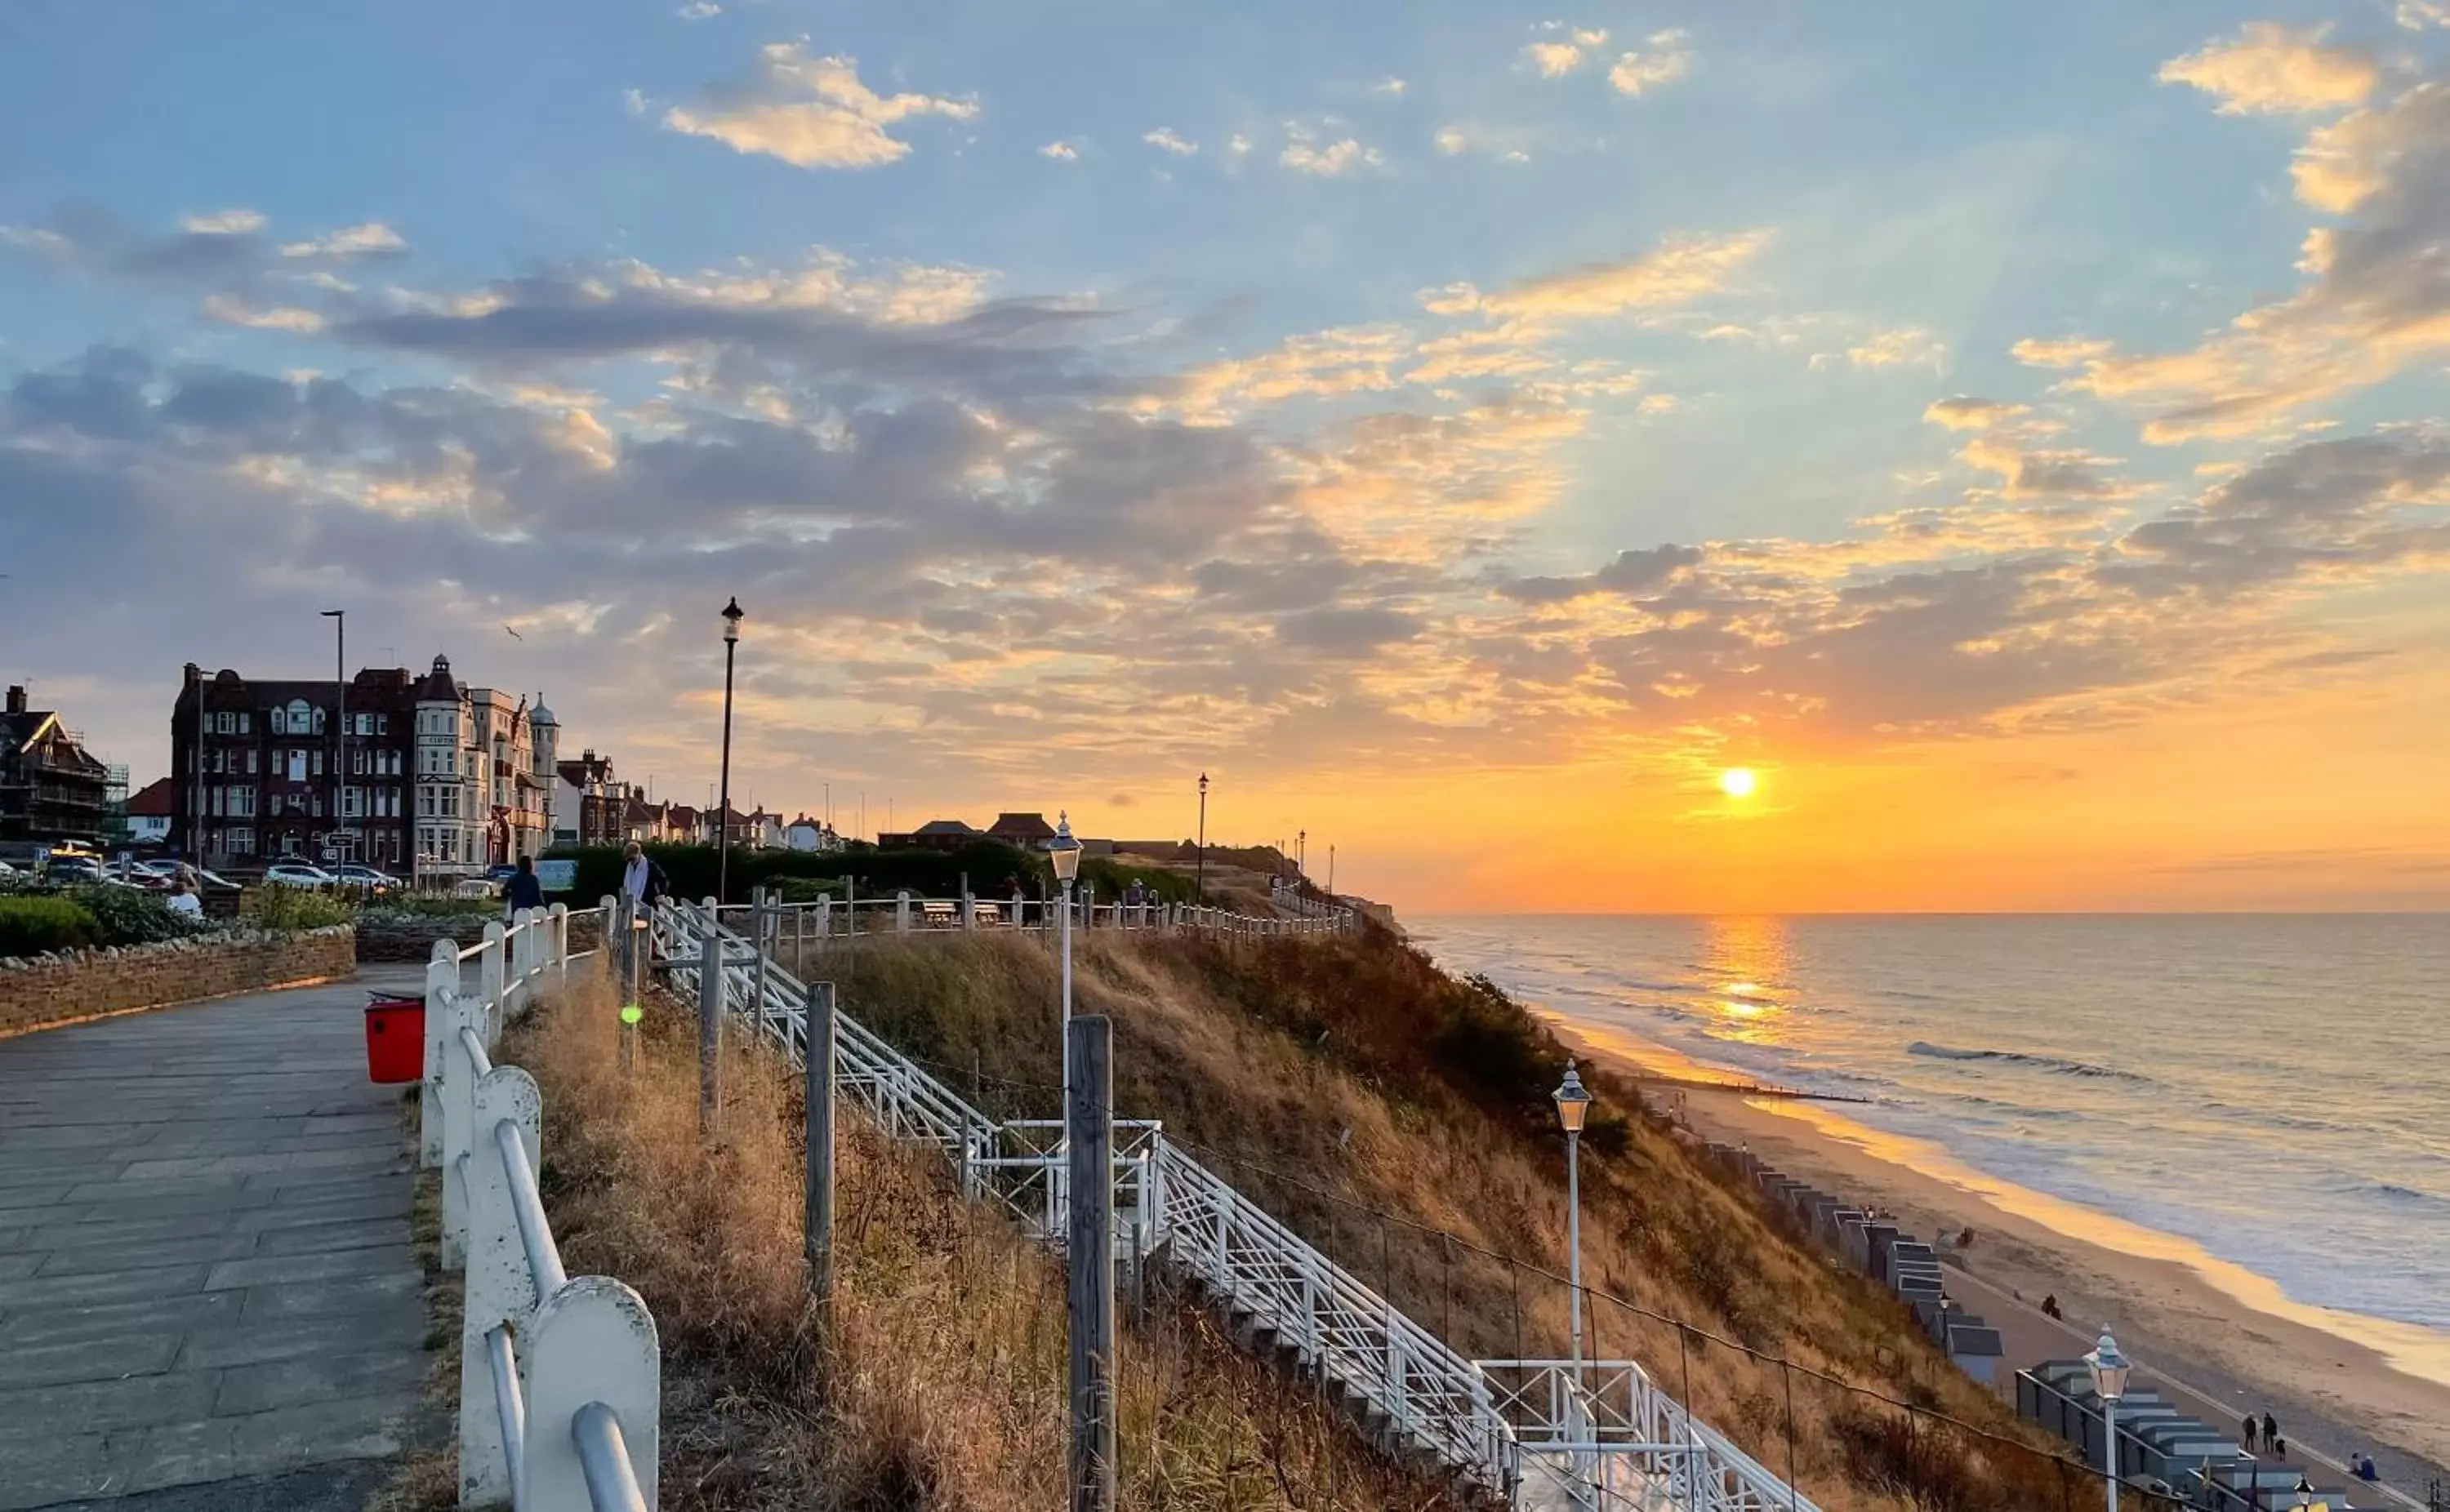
[[429, 777], [50, 788]]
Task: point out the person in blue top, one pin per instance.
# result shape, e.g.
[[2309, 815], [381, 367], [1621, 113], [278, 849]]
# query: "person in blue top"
[[523, 892]]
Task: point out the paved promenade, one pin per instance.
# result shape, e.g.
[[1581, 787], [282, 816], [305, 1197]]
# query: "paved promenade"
[[206, 1279]]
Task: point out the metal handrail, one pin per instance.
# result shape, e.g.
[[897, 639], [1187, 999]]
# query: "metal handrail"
[[527, 1210], [604, 1458], [537, 1344], [508, 1403]]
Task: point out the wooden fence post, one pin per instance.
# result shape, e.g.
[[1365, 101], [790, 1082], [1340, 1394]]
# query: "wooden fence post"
[[710, 1022], [1089, 1115], [819, 1048]]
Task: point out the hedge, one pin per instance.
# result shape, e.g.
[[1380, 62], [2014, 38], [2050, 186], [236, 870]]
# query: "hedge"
[[36, 926]]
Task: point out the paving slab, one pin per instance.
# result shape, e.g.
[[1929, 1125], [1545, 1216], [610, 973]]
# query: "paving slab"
[[208, 1297]]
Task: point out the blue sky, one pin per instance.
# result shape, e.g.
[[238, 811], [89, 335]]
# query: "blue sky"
[[1213, 382]]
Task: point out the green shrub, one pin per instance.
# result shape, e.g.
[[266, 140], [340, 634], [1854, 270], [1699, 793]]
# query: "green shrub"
[[129, 915], [295, 909], [37, 925]]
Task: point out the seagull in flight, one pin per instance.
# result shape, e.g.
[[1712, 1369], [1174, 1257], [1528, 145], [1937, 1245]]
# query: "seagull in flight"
[[512, 635]]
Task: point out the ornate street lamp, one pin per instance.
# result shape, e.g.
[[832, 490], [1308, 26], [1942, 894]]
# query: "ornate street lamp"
[[1065, 853], [2110, 1372], [1573, 1106], [732, 615], [1199, 871]]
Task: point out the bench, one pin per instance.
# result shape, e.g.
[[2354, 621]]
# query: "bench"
[[939, 913], [988, 913]]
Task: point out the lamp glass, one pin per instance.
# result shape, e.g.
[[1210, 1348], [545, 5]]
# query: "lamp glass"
[[1573, 1103], [1064, 851], [2109, 1369], [732, 615]]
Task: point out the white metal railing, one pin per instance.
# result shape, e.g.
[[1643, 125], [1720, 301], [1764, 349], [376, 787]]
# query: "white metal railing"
[[1539, 1432], [560, 1377], [827, 918]]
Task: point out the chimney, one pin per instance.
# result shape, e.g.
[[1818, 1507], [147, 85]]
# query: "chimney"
[[17, 698]]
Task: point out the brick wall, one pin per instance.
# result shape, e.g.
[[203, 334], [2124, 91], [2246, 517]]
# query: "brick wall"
[[53, 989]]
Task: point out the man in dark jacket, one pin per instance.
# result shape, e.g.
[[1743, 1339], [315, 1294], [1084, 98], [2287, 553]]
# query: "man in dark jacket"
[[523, 892]]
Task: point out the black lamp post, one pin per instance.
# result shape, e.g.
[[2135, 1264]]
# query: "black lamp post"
[[340, 618], [1199, 872], [731, 618]]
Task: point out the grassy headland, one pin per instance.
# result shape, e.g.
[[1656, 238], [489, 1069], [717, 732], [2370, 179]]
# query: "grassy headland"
[[1400, 1120]]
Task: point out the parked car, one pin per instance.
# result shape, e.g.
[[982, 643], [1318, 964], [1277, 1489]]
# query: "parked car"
[[475, 887], [215, 882], [295, 874], [352, 875], [72, 869]]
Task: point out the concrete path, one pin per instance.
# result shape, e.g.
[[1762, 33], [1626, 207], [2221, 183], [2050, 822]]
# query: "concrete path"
[[204, 1263]]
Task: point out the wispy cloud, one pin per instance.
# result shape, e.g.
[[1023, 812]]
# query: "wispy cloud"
[[1563, 49], [1902, 346], [1164, 140], [1666, 61], [2268, 68], [1680, 268], [1059, 151], [810, 112], [1307, 151]]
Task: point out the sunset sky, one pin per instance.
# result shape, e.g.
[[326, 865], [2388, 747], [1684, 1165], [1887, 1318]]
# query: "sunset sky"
[[2013, 432]]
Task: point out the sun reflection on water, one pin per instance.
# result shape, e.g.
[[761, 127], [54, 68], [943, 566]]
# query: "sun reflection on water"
[[1747, 959]]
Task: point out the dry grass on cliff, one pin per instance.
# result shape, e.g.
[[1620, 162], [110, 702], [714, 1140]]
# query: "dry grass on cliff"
[[944, 1385], [1377, 1106]]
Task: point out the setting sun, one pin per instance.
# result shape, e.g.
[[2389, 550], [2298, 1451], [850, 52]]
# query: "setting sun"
[[1737, 782]]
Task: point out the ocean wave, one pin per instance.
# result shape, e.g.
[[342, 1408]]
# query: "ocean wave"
[[2017, 1058], [2397, 1195]]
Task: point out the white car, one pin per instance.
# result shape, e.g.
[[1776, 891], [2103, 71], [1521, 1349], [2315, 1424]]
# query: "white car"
[[289, 874], [356, 875]]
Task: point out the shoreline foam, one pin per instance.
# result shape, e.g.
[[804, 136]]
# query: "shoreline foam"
[[2367, 1378]]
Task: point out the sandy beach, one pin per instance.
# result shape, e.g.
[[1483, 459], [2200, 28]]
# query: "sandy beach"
[[2211, 1332]]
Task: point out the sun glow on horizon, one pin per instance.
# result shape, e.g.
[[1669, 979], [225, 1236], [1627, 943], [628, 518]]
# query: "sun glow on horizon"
[[1737, 782]]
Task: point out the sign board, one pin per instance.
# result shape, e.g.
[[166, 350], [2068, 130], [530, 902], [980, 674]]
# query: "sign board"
[[556, 876], [331, 853]]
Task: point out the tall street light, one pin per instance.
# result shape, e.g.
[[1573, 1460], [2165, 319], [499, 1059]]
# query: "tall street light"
[[340, 618], [1301, 871], [1199, 872], [2110, 1372], [1065, 853], [731, 618], [1573, 1105]]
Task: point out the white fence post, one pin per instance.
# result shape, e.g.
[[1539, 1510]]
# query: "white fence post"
[[490, 986], [557, 939], [593, 1340], [902, 912], [441, 980], [498, 1288], [458, 1111], [825, 917]]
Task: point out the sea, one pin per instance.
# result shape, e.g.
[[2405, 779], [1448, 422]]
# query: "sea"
[[2273, 1088]]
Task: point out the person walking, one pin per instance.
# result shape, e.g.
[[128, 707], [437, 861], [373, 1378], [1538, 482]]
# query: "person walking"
[[522, 892], [642, 881], [2271, 1438], [2248, 1432]]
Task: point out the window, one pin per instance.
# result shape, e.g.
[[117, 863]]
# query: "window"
[[353, 803], [314, 761], [250, 761], [239, 841]]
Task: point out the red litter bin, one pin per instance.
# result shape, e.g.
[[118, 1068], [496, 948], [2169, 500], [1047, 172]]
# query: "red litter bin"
[[395, 1038]]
